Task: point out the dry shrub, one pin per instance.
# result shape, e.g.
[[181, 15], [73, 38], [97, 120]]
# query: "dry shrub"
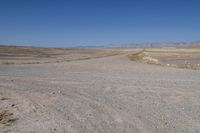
[[6, 117]]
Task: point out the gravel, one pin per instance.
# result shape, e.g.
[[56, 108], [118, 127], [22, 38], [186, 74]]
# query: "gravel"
[[104, 95]]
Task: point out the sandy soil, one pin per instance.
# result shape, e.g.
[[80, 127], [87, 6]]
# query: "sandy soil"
[[104, 95]]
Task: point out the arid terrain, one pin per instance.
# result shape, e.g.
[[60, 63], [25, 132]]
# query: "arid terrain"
[[36, 55], [99, 90], [188, 58]]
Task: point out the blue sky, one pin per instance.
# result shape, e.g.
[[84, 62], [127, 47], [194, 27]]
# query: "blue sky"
[[66, 23]]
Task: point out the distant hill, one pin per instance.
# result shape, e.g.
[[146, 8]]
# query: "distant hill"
[[194, 44], [158, 44]]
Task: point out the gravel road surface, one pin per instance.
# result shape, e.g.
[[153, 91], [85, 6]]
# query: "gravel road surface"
[[105, 95]]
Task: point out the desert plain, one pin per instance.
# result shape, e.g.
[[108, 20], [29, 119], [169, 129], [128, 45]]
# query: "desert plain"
[[105, 90]]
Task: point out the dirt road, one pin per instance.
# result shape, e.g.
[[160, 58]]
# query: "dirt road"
[[105, 95]]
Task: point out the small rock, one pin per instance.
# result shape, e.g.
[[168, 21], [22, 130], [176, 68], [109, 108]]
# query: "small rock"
[[12, 105], [3, 98]]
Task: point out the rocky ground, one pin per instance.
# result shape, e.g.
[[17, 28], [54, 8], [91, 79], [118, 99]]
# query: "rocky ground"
[[104, 95]]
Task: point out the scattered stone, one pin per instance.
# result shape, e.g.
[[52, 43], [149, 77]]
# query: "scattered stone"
[[12, 105]]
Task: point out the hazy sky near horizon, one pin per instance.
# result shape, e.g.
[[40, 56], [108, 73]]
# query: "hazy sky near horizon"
[[64, 23]]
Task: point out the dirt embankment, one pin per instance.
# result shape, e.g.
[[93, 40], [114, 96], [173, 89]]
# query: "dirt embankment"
[[171, 57]]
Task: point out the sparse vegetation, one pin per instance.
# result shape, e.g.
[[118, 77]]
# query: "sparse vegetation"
[[6, 118]]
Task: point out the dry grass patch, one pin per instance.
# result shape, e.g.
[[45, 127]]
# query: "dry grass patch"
[[6, 118]]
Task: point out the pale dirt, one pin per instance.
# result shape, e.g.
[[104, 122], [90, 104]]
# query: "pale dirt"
[[104, 95]]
